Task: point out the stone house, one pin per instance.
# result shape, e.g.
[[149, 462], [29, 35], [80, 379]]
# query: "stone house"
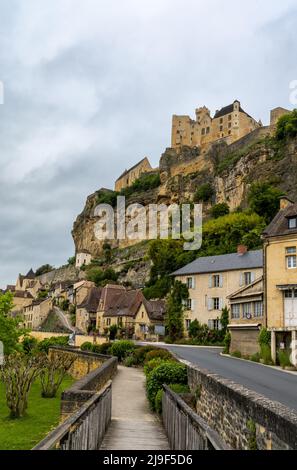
[[229, 123], [36, 313], [129, 176], [118, 306], [81, 290], [83, 258], [28, 283], [280, 279], [246, 317], [21, 299], [86, 312], [212, 279], [150, 319]]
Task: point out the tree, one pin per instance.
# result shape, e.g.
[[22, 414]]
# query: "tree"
[[174, 320], [52, 374], [45, 268], [113, 330], [287, 126], [9, 327], [218, 210], [71, 261], [101, 277], [263, 199], [194, 328], [204, 193], [18, 373], [225, 319]]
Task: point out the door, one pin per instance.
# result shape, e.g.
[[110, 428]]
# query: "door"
[[291, 308]]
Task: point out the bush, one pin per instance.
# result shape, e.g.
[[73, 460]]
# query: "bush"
[[113, 330], [287, 126], [130, 361], [264, 337], [218, 210], [227, 342], [167, 373], [158, 401], [152, 364], [236, 354], [45, 344], [96, 348], [141, 352], [87, 346], [284, 359], [122, 348], [29, 343], [161, 353], [204, 193], [105, 348], [255, 357], [263, 199], [266, 354]]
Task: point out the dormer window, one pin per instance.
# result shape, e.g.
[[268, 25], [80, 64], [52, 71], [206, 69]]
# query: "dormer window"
[[292, 222]]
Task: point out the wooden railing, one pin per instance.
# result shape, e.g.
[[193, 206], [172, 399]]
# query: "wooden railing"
[[184, 428], [84, 429]]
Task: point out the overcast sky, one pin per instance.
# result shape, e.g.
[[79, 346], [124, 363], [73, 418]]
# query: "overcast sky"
[[90, 87]]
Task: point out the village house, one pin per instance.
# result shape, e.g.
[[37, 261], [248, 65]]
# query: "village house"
[[83, 258], [280, 279], [28, 283], [212, 279], [36, 313], [81, 290], [246, 317], [149, 320], [86, 311], [21, 299], [118, 306], [129, 176]]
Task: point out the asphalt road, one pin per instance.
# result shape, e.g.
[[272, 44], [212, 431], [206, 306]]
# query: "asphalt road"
[[274, 384]]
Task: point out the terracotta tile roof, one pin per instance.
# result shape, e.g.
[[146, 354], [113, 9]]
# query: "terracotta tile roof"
[[279, 225]]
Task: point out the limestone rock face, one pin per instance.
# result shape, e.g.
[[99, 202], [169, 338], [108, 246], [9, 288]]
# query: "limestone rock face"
[[229, 169]]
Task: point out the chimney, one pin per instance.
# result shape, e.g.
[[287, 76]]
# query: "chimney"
[[242, 250], [284, 202]]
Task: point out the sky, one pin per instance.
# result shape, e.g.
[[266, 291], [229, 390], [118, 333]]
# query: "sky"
[[90, 88]]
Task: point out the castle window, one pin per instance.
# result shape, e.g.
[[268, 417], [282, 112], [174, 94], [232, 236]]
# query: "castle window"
[[229, 125], [221, 128], [221, 120], [207, 130], [229, 132], [229, 117], [203, 131]]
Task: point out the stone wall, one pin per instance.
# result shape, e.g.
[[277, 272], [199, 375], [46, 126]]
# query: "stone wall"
[[242, 418], [245, 341], [92, 370], [65, 273]]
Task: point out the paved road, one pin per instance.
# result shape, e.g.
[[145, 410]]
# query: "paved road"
[[133, 425], [274, 384]]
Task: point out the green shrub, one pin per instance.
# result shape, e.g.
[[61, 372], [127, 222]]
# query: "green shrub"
[[266, 354], [177, 388], [158, 401], [284, 359], [141, 352], [113, 330], [236, 354], [252, 444], [287, 126], [264, 337], [86, 346], [255, 357], [122, 348], [152, 364], [96, 348], [130, 361], [161, 353], [105, 348], [45, 344], [218, 210], [204, 193], [29, 343], [227, 342], [167, 373]]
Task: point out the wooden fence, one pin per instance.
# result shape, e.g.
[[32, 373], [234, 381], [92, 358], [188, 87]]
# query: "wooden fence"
[[84, 429], [184, 428]]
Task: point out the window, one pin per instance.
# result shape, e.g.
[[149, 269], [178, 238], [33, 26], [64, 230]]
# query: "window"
[[216, 303], [221, 128], [288, 294], [291, 261], [292, 222], [247, 278], [247, 310], [258, 309], [207, 130], [235, 311], [188, 323], [108, 322], [189, 304], [190, 283], [230, 117], [216, 280], [214, 324], [291, 250], [221, 120], [203, 131], [229, 125]]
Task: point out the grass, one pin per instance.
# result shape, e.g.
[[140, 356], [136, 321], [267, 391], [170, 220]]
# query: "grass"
[[43, 415]]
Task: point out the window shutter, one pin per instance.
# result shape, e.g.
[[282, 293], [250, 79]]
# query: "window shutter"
[[193, 305], [221, 280], [193, 282], [210, 324], [221, 304], [210, 281], [241, 280], [209, 304], [252, 276]]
